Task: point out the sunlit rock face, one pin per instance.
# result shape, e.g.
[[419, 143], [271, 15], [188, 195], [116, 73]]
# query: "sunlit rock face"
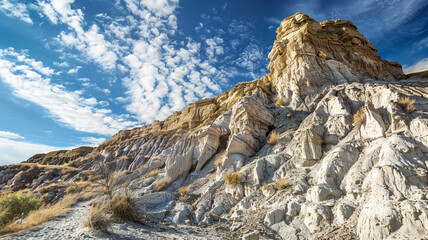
[[308, 55], [329, 173]]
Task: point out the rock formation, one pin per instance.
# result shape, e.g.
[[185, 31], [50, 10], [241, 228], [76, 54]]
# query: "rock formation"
[[61, 156], [351, 160]]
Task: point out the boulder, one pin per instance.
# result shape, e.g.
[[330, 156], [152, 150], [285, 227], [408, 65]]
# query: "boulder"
[[274, 216]]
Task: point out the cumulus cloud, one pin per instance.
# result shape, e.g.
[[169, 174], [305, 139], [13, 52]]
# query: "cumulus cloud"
[[10, 135], [90, 41], [17, 10], [31, 82]]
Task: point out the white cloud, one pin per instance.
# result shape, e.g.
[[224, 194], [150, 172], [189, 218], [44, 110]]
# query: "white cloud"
[[421, 65], [251, 59], [68, 107], [93, 141], [90, 42], [17, 10], [74, 70], [161, 75], [61, 64], [13, 151], [5, 134]]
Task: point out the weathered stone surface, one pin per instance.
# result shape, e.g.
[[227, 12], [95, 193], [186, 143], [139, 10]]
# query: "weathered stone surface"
[[251, 236], [307, 55], [248, 125], [274, 216]]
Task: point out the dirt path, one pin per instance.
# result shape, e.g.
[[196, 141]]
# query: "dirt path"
[[71, 227]]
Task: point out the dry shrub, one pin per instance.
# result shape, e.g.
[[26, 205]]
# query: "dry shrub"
[[183, 190], [46, 213], [407, 104], [280, 101], [17, 205], [154, 172], [98, 220], [162, 184], [125, 209], [359, 117], [282, 183], [274, 137], [232, 178]]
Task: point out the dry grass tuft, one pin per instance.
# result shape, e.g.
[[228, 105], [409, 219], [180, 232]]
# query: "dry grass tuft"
[[97, 220], [359, 117], [274, 137], [280, 102], [66, 171], [78, 186], [162, 184], [153, 173], [46, 213], [183, 190], [407, 104], [282, 183], [232, 178], [125, 209]]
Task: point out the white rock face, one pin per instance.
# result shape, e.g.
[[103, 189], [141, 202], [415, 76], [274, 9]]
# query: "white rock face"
[[274, 216], [248, 125]]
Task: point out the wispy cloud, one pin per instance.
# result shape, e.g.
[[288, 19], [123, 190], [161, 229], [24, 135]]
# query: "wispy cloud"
[[17, 10], [421, 65], [31, 82], [14, 151], [10, 135]]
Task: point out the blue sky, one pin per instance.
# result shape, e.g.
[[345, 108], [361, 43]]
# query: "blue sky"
[[74, 72]]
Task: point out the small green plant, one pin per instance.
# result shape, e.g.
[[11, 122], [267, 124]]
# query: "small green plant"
[[359, 117], [17, 205], [407, 104], [273, 139], [232, 178]]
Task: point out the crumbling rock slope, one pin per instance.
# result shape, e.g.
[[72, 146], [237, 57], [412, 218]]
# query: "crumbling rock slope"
[[61, 156], [350, 162]]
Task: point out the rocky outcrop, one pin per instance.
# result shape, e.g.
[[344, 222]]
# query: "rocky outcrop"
[[60, 157], [308, 55]]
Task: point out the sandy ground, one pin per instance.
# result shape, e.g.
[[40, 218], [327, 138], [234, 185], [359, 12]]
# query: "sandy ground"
[[71, 227]]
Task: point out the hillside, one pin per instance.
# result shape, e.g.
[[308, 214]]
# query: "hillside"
[[331, 144]]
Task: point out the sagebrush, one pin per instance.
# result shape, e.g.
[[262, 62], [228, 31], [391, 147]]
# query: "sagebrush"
[[232, 178], [17, 205]]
